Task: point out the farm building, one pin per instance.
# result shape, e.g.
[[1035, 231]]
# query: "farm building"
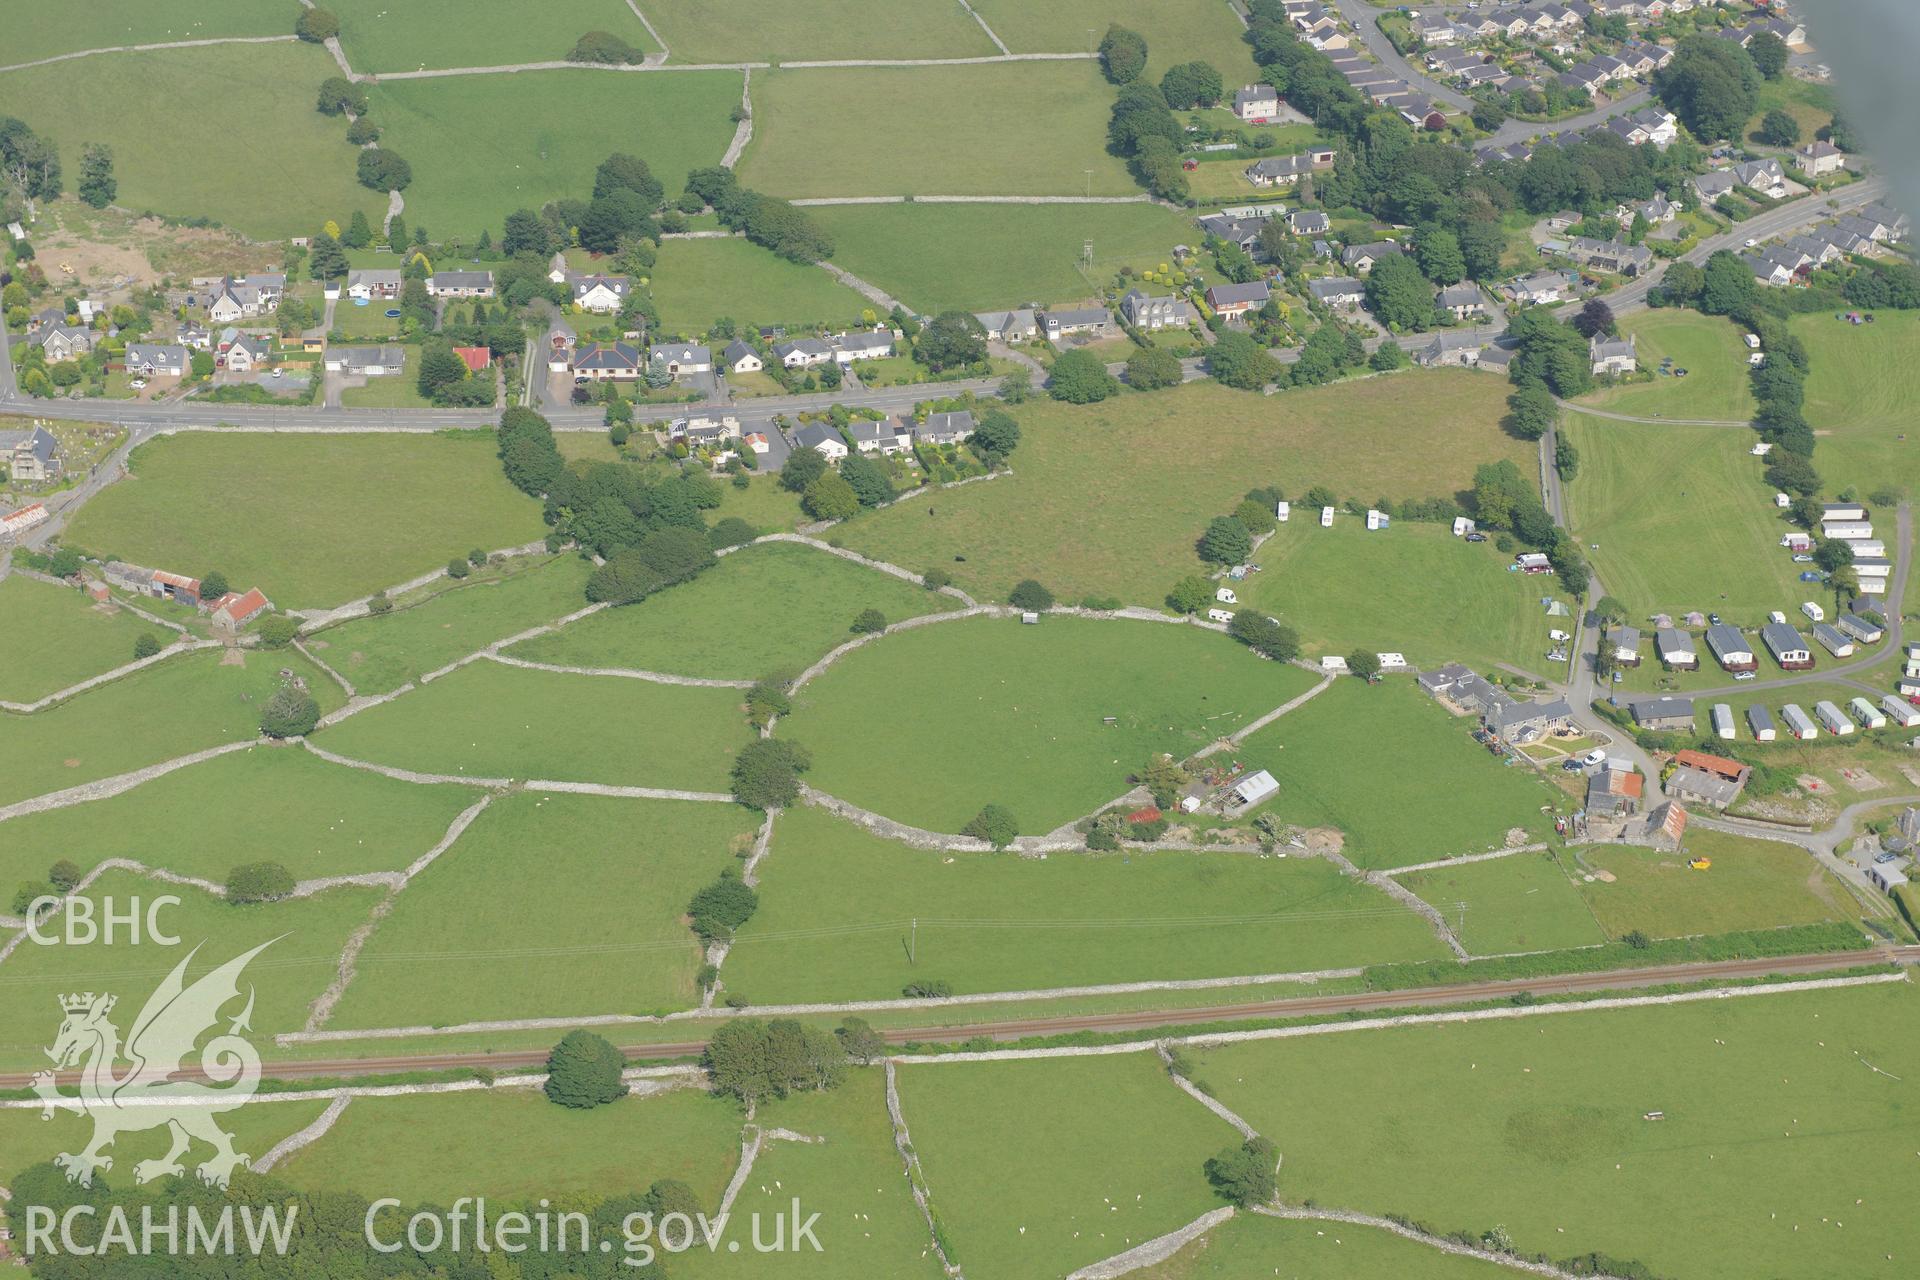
[[1626, 645], [1799, 724], [235, 609], [18, 522], [1865, 630], [1525, 721], [1253, 789], [1663, 713], [1900, 711], [1833, 718], [1730, 648], [1722, 717], [1833, 640], [1760, 720], [1695, 786], [1676, 649], [1614, 793], [1718, 766], [1866, 714]]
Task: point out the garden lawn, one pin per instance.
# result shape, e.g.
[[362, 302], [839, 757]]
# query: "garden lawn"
[[1709, 348], [1682, 518], [314, 818], [991, 257], [1520, 903], [1392, 769], [1036, 1168], [40, 29], [170, 709], [869, 1224], [1428, 594], [568, 904], [285, 978], [835, 903], [389, 391], [381, 36], [1012, 715], [1536, 1123], [695, 282], [1861, 388], [1753, 884], [311, 520], [27, 1139], [491, 720], [1108, 499], [773, 607], [534, 148], [55, 638], [381, 653], [1030, 128], [764, 504], [270, 192], [1249, 1245], [1175, 30], [766, 30], [512, 1145]]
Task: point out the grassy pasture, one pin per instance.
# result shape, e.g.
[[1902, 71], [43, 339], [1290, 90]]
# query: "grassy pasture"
[[1032, 1176], [1254, 1246], [380, 36], [1176, 31], [1388, 766], [763, 504], [835, 902], [1535, 1123], [1682, 518], [289, 188], [1707, 347], [167, 710], [1013, 715], [27, 1139], [762, 609], [695, 282], [766, 30], [986, 257], [1753, 884], [1108, 499], [1031, 129], [310, 520], [1861, 390], [570, 728], [1521, 903], [56, 638], [39, 29], [314, 818], [612, 878]]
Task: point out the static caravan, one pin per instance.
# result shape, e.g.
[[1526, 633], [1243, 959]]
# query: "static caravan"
[[1760, 720], [1867, 546], [1377, 519], [1533, 562], [1814, 611], [1219, 615], [1833, 718], [1281, 511], [1326, 517], [1789, 647], [1722, 716], [1842, 511], [1865, 630], [1845, 529], [1866, 714], [1900, 711], [1730, 648], [1676, 649], [1798, 724], [1797, 541], [1833, 640]]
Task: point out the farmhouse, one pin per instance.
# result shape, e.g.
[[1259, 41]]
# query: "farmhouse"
[[1231, 301], [681, 358], [1008, 326], [1092, 321], [802, 353], [1337, 291], [374, 283], [1663, 714], [460, 284], [147, 361], [1611, 355], [35, 458], [235, 609], [370, 362], [1513, 721], [607, 361], [601, 294], [944, 428], [1676, 649], [741, 358], [821, 436], [1730, 648], [1144, 311], [1788, 647]]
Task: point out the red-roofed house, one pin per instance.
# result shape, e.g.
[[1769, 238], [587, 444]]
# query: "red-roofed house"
[[235, 610], [476, 358]]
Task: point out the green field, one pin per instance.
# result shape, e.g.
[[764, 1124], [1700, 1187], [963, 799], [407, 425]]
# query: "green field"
[[27, 1139], [985, 257], [1402, 778], [379, 36], [1031, 128], [381, 653], [56, 638], [836, 902], [1012, 715], [1108, 499], [1535, 1124], [1416, 590], [774, 607], [537, 146], [1707, 347], [311, 520], [168, 710], [512, 1144], [1176, 31], [1861, 390], [1753, 884], [1682, 519], [1254, 1246], [1037, 1168], [39, 29], [767, 30], [764, 504], [696, 282], [1811, 105], [289, 188], [571, 728], [1522, 903], [314, 818]]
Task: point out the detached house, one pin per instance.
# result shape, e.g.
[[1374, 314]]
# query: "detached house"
[[375, 283], [608, 362], [1143, 311], [866, 344], [741, 358], [1257, 103], [681, 358], [460, 284], [602, 295], [944, 428], [242, 352], [1611, 355], [802, 353], [1009, 326], [1308, 222], [62, 342], [367, 362], [1092, 321], [1461, 301], [880, 437], [822, 437], [253, 295], [1337, 291], [144, 360], [35, 458], [1231, 301], [1820, 158], [1360, 258]]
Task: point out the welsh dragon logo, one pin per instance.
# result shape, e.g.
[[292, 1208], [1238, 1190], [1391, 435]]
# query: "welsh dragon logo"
[[147, 1096]]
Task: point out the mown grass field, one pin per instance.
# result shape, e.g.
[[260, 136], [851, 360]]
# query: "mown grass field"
[[1753, 884], [1415, 589], [1175, 30], [1535, 1123], [695, 282], [1861, 390], [1682, 519], [1521, 903], [514, 1145], [1392, 769], [1033, 1176], [310, 520], [314, 818], [1012, 715], [774, 607], [40, 29], [985, 257], [534, 149], [1248, 1245], [767, 30], [495, 721], [381, 653], [836, 902], [57, 638], [27, 1139], [168, 710], [287, 189], [998, 150], [763, 504], [379, 36], [1707, 347], [1108, 499], [560, 904]]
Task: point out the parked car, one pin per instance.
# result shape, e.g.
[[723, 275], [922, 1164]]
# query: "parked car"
[[1476, 537], [1745, 675], [1596, 756], [1883, 858], [1803, 558]]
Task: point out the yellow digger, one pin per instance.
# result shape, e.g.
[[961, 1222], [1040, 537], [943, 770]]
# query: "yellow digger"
[[1701, 863]]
